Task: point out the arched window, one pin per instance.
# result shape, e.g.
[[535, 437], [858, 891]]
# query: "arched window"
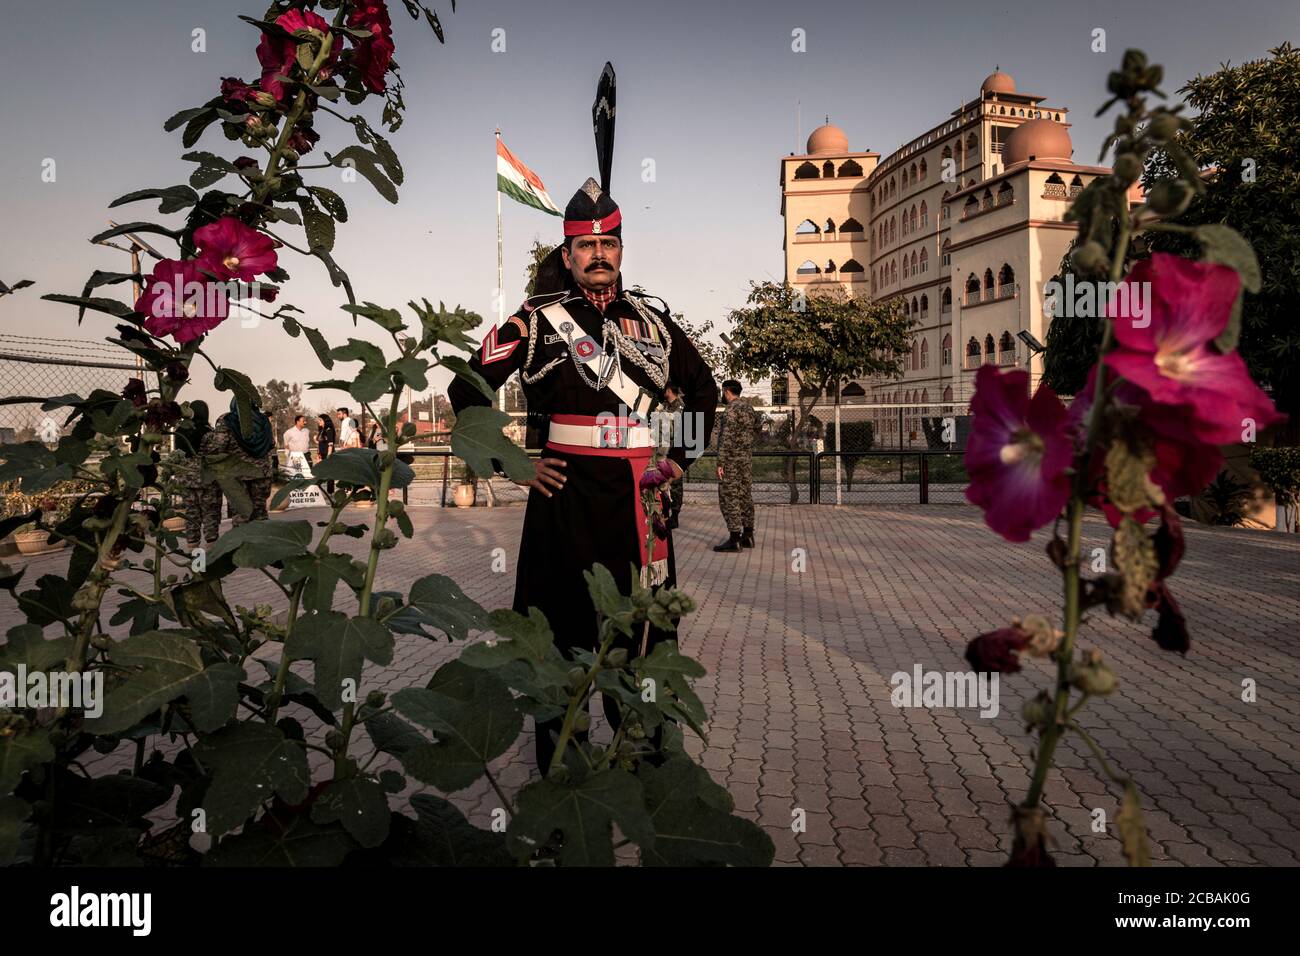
[[945, 300], [925, 215], [849, 168], [806, 171], [828, 169], [853, 394], [945, 214], [1006, 349], [972, 353], [850, 225], [1054, 187], [947, 253], [923, 171], [925, 354], [925, 306], [916, 360], [1006, 281], [830, 227], [972, 206], [830, 265], [957, 151], [916, 306], [1005, 193], [972, 143], [914, 260], [911, 174], [851, 265], [947, 352], [1002, 111], [893, 271], [986, 201], [1076, 186], [972, 289], [947, 153], [806, 228], [808, 268], [893, 228], [988, 283], [925, 260], [907, 308], [911, 219], [893, 187], [988, 348]]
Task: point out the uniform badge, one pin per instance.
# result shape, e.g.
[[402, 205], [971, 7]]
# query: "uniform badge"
[[586, 349], [494, 351], [552, 339]]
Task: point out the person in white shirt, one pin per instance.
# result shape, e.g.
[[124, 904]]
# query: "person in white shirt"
[[298, 438], [349, 433]]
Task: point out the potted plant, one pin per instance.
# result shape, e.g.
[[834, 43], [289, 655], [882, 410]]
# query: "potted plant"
[[31, 538], [466, 489]]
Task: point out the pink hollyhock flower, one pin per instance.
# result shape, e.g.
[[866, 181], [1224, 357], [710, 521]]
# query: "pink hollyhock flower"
[[234, 251], [279, 54], [235, 90], [653, 477], [1167, 350], [1017, 453], [372, 57], [182, 301], [1184, 464]]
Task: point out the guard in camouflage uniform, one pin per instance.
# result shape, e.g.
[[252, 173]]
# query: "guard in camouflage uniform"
[[736, 467], [672, 410], [201, 503], [256, 449]]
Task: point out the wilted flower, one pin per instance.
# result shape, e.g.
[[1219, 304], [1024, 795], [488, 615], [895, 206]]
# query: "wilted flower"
[[998, 650], [135, 392], [235, 90], [1017, 453], [1167, 349]]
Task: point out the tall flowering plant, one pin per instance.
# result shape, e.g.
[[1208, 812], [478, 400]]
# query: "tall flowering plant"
[[1167, 390]]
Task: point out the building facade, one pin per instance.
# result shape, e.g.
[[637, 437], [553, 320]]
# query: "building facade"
[[964, 224]]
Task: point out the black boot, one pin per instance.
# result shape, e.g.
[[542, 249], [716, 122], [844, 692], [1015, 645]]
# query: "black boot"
[[747, 538], [731, 544]]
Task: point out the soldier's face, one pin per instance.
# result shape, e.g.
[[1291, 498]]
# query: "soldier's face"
[[594, 260]]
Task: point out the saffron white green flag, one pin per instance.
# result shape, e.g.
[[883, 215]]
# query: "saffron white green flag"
[[520, 183]]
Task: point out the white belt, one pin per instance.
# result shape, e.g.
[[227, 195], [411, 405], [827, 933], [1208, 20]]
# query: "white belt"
[[601, 436]]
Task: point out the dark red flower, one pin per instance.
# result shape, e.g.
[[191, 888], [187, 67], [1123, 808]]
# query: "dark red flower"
[[234, 251], [998, 650], [1170, 631], [1166, 347], [245, 162], [278, 55], [182, 301], [159, 415], [303, 139], [135, 392], [1017, 453], [235, 90], [372, 57]]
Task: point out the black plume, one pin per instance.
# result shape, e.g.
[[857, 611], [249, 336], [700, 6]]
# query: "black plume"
[[602, 122]]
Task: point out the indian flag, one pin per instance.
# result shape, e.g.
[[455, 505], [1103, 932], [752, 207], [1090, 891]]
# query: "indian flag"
[[520, 183]]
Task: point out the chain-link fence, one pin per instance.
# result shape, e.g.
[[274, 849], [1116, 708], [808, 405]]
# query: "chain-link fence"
[[46, 367]]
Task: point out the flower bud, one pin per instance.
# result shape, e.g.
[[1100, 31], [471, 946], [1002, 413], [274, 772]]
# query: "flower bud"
[[1127, 169], [1093, 677], [1038, 712], [334, 740], [576, 676], [1089, 258], [375, 699], [1163, 126], [582, 721], [617, 657], [1170, 198], [263, 98]]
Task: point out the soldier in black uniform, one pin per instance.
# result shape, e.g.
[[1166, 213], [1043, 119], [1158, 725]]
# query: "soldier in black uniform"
[[590, 352]]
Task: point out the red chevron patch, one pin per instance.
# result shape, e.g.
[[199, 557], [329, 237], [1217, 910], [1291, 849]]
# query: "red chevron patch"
[[494, 351]]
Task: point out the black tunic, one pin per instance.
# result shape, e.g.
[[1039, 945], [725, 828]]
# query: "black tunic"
[[590, 520]]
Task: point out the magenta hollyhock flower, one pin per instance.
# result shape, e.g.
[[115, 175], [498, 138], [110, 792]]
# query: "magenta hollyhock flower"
[[1017, 453], [235, 90], [279, 54], [1184, 464], [234, 251], [998, 650], [182, 301], [303, 139], [1166, 348], [372, 57]]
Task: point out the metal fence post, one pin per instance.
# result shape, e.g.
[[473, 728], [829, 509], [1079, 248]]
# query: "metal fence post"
[[925, 479]]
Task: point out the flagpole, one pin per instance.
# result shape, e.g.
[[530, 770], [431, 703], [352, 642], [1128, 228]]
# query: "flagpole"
[[501, 292]]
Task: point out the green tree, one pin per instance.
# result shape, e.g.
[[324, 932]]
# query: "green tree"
[[822, 340], [1244, 136], [536, 254], [282, 402]]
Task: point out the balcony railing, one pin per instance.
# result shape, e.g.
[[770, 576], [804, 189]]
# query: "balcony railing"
[[1054, 191], [1006, 197], [1007, 290]]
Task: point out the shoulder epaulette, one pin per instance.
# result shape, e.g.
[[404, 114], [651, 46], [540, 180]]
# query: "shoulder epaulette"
[[537, 301], [643, 294]]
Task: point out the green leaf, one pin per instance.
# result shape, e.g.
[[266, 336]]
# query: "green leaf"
[[359, 804], [134, 227], [692, 822], [357, 350], [245, 392], [26, 644], [472, 714], [337, 276], [672, 671], [49, 602], [583, 811], [174, 198], [365, 162], [249, 762], [259, 543], [322, 573], [20, 751], [168, 661], [320, 229], [413, 371], [302, 843], [332, 202], [184, 116], [526, 639], [370, 385], [338, 646], [213, 695], [390, 320], [319, 344], [357, 467], [463, 370], [442, 604], [113, 307], [1223, 244], [477, 438], [443, 837]]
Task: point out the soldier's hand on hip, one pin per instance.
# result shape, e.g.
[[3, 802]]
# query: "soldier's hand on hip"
[[545, 474]]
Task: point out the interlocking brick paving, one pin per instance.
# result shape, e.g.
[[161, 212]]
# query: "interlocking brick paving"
[[799, 695]]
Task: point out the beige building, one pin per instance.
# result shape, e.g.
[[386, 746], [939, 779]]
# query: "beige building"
[[964, 223]]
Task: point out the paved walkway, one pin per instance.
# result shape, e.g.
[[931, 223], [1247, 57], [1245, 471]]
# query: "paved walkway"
[[799, 695]]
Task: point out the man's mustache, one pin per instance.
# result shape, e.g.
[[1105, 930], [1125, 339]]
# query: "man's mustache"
[[599, 264]]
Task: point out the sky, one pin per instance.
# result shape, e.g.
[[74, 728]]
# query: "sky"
[[710, 97]]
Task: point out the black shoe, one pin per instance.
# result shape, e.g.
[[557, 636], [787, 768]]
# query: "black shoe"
[[731, 544], [671, 523], [747, 538]]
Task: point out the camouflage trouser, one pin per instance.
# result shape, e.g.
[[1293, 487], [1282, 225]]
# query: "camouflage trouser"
[[259, 489], [202, 513], [736, 494]]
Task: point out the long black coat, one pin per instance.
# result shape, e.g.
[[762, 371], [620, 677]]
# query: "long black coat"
[[591, 519]]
